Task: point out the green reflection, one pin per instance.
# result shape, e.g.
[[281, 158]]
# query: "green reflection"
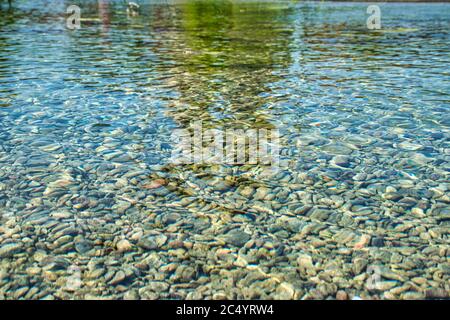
[[224, 58]]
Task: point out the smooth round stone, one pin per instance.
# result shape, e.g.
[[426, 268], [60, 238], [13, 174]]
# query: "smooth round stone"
[[341, 295], [123, 245], [118, 278]]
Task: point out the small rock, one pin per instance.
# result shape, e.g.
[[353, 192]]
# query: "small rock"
[[341, 161], [158, 286], [131, 295], [157, 183], [305, 264], [341, 295], [385, 285], [392, 196], [170, 218], [390, 189], [220, 296], [236, 237], [411, 295], [152, 242], [359, 265], [377, 242], [9, 249], [240, 262], [320, 214], [419, 280], [261, 193], [360, 177], [83, 246], [285, 291], [437, 135], [406, 145], [247, 191], [418, 212], [364, 241], [118, 277], [123, 245]]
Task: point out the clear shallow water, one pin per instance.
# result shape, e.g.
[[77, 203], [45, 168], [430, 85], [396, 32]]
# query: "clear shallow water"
[[86, 118]]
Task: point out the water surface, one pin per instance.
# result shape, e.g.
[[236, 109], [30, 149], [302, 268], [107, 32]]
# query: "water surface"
[[92, 207]]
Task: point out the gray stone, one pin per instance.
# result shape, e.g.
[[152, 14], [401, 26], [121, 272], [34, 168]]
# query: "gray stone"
[[236, 237], [341, 161]]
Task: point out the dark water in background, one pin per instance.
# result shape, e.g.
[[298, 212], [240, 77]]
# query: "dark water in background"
[[85, 124]]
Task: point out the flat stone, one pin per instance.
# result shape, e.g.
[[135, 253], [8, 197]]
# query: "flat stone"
[[236, 237], [9, 249], [377, 242], [341, 161], [152, 242], [337, 149]]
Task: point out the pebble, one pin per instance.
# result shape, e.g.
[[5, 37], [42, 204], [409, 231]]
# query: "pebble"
[[261, 193], [341, 161], [377, 242], [158, 286], [418, 212], [247, 191], [359, 265], [410, 146], [157, 183], [305, 264], [341, 295], [363, 241], [131, 295], [236, 237], [123, 245], [385, 285], [8, 250], [83, 246], [360, 177], [118, 277], [411, 295], [285, 291], [152, 242]]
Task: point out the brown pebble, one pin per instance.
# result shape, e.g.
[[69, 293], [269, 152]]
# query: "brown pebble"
[[364, 241], [341, 295], [155, 184], [176, 244], [123, 245]]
